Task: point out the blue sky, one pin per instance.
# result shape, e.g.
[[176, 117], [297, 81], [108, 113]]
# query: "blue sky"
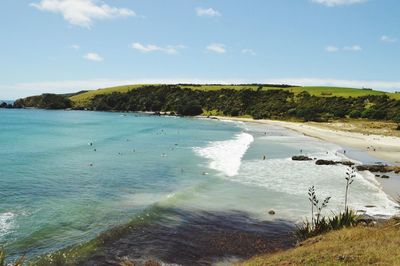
[[69, 45]]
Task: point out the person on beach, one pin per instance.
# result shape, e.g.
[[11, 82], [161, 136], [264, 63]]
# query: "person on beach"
[[264, 157]]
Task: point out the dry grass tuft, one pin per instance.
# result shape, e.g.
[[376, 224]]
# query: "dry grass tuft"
[[350, 246]]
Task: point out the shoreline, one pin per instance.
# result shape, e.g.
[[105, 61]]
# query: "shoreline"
[[382, 147]]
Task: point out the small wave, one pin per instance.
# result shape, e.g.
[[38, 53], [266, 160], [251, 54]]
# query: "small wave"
[[226, 156]]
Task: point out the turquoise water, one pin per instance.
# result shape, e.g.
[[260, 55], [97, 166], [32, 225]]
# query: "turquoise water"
[[68, 176], [56, 190]]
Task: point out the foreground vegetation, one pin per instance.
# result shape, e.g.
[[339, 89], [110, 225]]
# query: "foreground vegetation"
[[343, 239], [379, 245]]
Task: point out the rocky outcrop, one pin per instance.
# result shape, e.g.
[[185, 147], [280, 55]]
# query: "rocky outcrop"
[[301, 158], [379, 168], [326, 162], [331, 162], [374, 168]]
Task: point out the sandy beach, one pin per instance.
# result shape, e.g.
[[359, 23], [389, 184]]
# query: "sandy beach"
[[383, 147]]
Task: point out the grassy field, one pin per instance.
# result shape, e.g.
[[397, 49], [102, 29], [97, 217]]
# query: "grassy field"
[[352, 246], [84, 98]]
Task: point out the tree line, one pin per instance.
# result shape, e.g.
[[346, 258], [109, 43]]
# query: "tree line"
[[260, 104]]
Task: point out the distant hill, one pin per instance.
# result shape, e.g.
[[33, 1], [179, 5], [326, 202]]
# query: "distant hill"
[[260, 101], [82, 98], [7, 101]]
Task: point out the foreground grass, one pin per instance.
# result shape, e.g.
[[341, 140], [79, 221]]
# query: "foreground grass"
[[351, 246]]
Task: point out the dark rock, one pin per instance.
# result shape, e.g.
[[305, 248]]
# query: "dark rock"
[[379, 168], [365, 219], [385, 176], [271, 212], [301, 158], [326, 162], [347, 163]]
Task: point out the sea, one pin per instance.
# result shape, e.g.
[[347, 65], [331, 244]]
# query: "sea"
[[95, 188]]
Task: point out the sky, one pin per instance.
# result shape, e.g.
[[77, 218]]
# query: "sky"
[[61, 46]]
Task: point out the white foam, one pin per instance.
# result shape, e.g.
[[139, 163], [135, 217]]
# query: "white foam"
[[226, 156], [6, 223], [291, 179]]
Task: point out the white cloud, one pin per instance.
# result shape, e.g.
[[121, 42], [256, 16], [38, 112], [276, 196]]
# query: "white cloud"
[[169, 49], [75, 46], [353, 48], [93, 57], [207, 12], [331, 49], [248, 51], [218, 48], [333, 3], [82, 12], [387, 39], [19, 90]]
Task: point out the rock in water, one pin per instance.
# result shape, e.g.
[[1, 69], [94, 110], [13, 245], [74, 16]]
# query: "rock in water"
[[379, 168], [325, 162], [301, 158]]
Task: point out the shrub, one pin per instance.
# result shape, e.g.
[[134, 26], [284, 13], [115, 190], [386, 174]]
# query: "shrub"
[[190, 109], [397, 120], [355, 114], [321, 224], [348, 218]]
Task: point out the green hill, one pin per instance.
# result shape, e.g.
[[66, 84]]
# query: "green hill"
[[82, 99]]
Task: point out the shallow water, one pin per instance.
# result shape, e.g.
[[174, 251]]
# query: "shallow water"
[[68, 176]]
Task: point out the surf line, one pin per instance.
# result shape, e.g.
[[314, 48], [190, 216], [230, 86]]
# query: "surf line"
[[226, 156]]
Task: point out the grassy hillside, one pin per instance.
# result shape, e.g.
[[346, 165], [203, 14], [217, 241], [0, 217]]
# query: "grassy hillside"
[[83, 98], [352, 246]]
